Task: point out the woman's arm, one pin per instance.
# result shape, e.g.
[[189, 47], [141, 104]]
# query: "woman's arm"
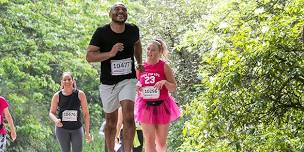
[[169, 82], [10, 121], [53, 110], [86, 115]]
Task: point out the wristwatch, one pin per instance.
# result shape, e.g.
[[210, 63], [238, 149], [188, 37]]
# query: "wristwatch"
[[138, 66]]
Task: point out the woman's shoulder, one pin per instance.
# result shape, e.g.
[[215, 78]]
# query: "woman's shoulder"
[[167, 67], [2, 99], [163, 64], [58, 92], [3, 102], [80, 93]]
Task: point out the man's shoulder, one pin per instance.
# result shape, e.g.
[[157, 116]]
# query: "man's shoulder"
[[103, 28], [131, 25]]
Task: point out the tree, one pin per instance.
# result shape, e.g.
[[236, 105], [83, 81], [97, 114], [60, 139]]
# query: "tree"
[[253, 73], [40, 40]]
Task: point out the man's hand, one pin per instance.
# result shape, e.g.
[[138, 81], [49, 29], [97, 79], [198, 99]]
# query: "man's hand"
[[117, 47], [140, 68]]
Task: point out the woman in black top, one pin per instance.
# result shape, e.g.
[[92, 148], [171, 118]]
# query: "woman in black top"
[[65, 112]]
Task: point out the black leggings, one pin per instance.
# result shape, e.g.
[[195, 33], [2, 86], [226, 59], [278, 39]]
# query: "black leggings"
[[68, 137]]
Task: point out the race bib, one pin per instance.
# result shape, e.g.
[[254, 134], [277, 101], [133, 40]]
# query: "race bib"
[[149, 92], [69, 115], [121, 67]]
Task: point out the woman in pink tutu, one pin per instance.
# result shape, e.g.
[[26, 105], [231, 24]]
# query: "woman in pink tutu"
[[154, 107]]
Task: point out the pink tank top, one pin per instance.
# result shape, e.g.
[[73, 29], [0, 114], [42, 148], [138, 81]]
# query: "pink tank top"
[[3, 105], [153, 73]]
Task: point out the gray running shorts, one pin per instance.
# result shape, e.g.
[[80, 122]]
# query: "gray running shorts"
[[111, 95]]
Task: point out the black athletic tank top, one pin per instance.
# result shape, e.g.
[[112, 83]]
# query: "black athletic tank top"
[[69, 110]]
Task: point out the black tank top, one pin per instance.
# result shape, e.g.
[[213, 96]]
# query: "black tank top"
[[69, 110]]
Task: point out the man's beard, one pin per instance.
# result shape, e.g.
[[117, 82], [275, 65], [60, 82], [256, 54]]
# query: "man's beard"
[[119, 22]]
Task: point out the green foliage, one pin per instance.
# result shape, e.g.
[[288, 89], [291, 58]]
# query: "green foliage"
[[40, 40], [251, 71], [240, 63]]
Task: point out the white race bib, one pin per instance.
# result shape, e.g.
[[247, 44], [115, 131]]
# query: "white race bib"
[[117, 147], [69, 115], [121, 67], [149, 92]]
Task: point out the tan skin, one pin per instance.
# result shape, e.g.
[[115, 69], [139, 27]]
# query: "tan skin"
[[67, 82], [118, 15], [10, 121], [119, 124], [155, 135], [128, 123]]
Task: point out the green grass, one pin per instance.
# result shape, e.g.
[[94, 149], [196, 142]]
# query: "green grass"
[[97, 145]]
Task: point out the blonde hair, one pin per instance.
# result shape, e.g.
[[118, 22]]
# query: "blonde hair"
[[162, 47]]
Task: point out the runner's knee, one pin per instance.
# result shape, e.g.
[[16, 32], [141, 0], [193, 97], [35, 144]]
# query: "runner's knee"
[[129, 120]]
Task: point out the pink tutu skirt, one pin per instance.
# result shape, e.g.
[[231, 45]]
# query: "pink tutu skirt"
[[162, 113]]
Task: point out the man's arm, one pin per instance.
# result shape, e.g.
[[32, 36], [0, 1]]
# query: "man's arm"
[[94, 54], [138, 54]]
